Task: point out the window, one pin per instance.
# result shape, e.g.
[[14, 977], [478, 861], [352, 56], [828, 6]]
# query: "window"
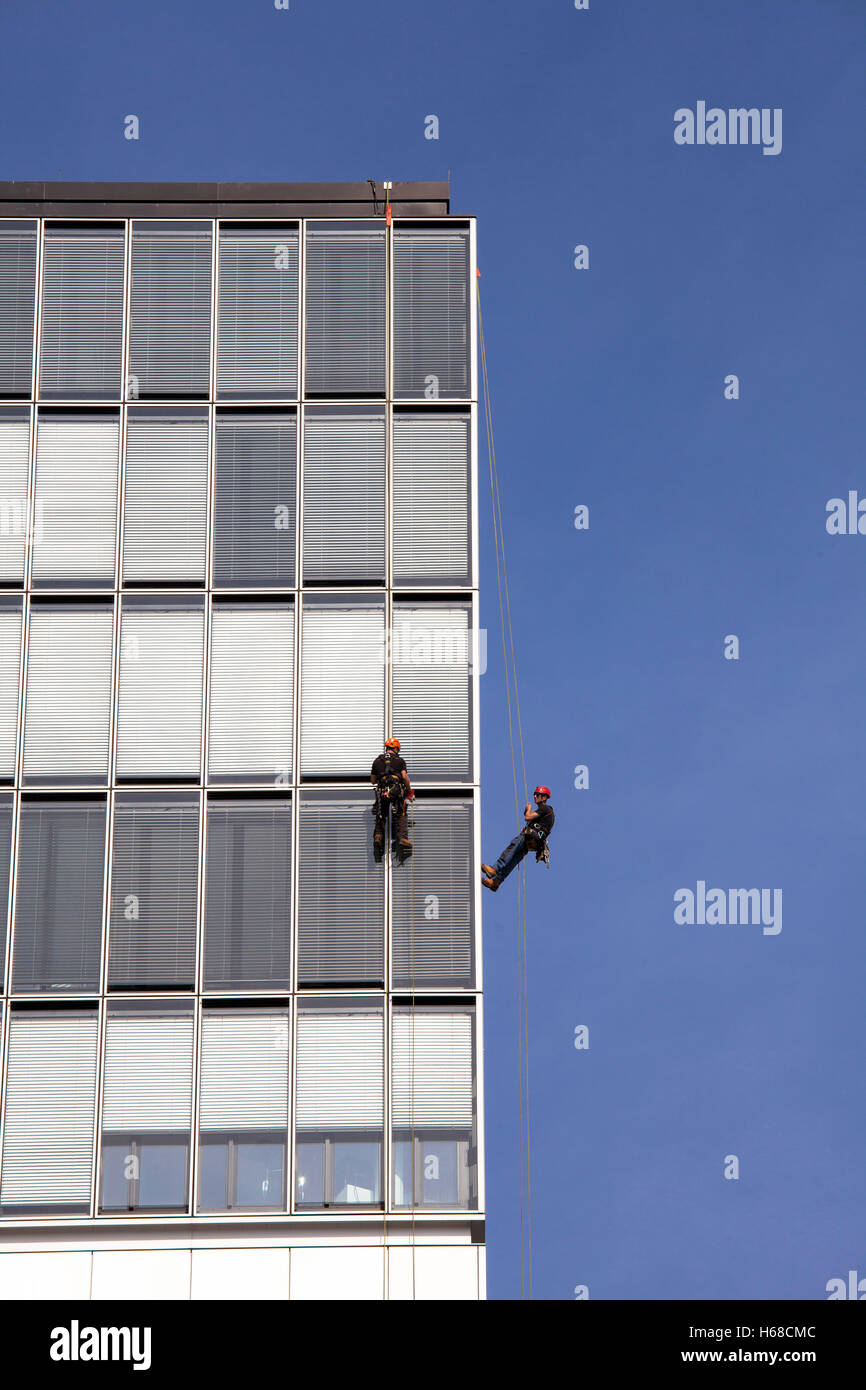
[[340, 1105], [76, 499], [431, 498], [252, 689], [345, 298], [431, 651], [248, 895], [342, 688], [256, 479], [244, 1115], [433, 946], [170, 311], [6, 808], [50, 1100], [159, 720], [82, 313], [16, 513], [154, 891], [341, 909], [257, 353], [344, 496], [147, 1107], [433, 1108], [10, 660], [431, 314], [68, 704], [58, 906], [165, 507], [17, 302]]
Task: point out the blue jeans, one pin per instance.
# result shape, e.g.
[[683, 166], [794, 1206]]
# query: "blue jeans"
[[512, 855]]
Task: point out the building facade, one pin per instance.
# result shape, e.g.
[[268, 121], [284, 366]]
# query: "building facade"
[[237, 551]]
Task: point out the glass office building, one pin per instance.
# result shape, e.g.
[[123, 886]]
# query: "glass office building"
[[237, 550]]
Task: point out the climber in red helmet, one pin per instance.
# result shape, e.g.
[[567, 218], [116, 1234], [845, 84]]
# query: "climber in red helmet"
[[393, 789], [533, 836]]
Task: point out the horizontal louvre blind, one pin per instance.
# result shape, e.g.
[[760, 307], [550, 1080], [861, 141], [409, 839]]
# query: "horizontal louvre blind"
[[431, 499], [76, 500], [148, 1074], [431, 315], [15, 520], [440, 956], [10, 658], [248, 899], [244, 1071], [58, 904], [340, 895], [159, 710], [430, 686], [17, 302], [5, 856], [68, 694], [432, 1070], [340, 1083], [252, 683], [256, 479], [343, 689], [170, 312], [154, 893], [165, 510], [51, 1089], [257, 353], [345, 338], [344, 498], [82, 312]]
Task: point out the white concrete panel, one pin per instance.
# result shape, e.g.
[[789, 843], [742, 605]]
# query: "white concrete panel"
[[447, 1274], [482, 1271], [240, 1274], [45, 1274], [162, 1274], [337, 1273]]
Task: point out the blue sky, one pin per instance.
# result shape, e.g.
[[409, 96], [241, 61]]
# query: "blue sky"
[[707, 518]]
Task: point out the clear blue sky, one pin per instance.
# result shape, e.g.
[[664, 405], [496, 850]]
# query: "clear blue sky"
[[707, 518]]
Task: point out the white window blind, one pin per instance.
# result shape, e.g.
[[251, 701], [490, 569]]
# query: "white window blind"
[[254, 523], [257, 351], [244, 1071], [248, 898], [76, 500], [343, 689], [340, 895], [10, 658], [340, 1082], [345, 313], [15, 520], [50, 1095], [17, 302], [68, 701], [435, 950], [431, 314], [148, 1074], [430, 650], [82, 312], [170, 312], [159, 720], [154, 892], [165, 507], [344, 497], [431, 499], [252, 675], [432, 1070]]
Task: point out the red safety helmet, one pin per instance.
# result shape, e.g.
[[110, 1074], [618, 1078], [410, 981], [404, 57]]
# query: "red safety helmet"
[[541, 791], [392, 743]]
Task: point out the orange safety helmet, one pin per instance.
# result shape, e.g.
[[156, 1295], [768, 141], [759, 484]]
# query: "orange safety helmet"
[[392, 743]]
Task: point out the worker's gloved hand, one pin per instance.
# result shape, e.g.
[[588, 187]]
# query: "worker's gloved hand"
[[410, 796]]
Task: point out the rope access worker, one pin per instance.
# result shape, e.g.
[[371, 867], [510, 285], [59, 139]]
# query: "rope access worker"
[[393, 789], [533, 836]]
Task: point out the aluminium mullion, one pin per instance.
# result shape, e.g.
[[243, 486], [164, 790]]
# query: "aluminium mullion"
[[30, 503]]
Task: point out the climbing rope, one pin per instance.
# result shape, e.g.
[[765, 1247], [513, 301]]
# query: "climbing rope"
[[510, 667]]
